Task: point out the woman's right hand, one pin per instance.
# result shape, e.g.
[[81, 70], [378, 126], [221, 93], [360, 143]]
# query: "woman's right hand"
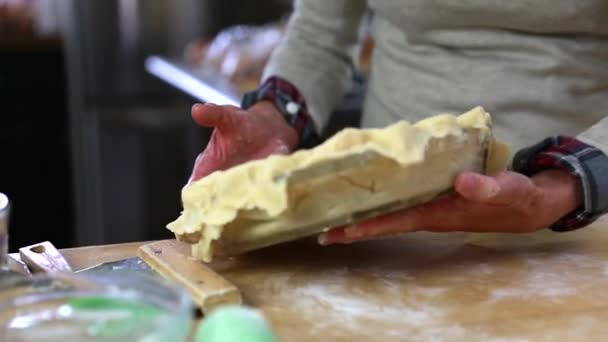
[[240, 136]]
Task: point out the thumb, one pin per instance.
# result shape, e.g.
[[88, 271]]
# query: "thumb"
[[210, 115], [200, 169], [504, 189]]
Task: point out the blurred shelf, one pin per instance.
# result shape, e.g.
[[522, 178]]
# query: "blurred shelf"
[[203, 86]]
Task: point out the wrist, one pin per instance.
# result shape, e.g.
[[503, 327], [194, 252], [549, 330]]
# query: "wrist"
[[284, 98], [561, 193], [268, 111], [584, 162]]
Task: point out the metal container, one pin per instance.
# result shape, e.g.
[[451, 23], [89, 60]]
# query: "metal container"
[[4, 218]]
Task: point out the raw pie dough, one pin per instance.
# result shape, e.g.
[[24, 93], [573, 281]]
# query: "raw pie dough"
[[358, 173]]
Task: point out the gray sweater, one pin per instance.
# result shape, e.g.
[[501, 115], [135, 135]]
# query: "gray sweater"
[[539, 66]]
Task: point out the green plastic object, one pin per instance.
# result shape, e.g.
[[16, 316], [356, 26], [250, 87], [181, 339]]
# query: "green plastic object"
[[124, 317], [235, 323]]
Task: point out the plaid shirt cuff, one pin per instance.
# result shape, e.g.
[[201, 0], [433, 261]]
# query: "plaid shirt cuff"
[[290, 102], [587, 163]]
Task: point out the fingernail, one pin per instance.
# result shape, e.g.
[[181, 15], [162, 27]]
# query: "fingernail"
[[323, 240], [194, 175], [335, 235]]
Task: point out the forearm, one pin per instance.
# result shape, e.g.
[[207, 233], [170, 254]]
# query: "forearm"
[[316, 54], [584, 162], [561, 193]]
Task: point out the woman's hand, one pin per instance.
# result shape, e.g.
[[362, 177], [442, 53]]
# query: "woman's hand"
[[508, 202], [240, 136]]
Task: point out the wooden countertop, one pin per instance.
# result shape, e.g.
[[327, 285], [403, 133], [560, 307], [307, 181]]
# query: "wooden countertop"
[[424, 286]]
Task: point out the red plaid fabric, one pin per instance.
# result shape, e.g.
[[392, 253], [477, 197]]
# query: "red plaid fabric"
[[291, 103], [587, 163]]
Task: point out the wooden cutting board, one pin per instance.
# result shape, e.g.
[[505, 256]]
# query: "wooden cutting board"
[[172, 260], [424, 286]]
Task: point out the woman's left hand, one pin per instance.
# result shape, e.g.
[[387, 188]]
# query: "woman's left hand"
[[508, 202]]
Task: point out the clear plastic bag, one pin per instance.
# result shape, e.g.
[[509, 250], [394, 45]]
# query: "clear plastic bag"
[[238, 53]]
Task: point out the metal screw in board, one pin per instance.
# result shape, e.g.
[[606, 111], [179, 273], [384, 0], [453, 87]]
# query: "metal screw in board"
[[5, 207]]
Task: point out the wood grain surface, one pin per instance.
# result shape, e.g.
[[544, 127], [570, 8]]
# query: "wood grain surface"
[[422, 286], [172, 259]]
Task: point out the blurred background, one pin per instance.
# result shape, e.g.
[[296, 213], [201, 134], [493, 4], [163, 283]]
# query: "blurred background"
[[96, 138]]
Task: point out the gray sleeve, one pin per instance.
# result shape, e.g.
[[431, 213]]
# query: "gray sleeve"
[[317, 53], [597, 167], [597, 136]]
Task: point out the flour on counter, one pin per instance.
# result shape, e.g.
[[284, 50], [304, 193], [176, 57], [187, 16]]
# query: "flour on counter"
[[542, 281], [332, 302], [536, 285], [381, 273], [483, 268], [451, 333], [351, 308], [332, 292], [419, 305]]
